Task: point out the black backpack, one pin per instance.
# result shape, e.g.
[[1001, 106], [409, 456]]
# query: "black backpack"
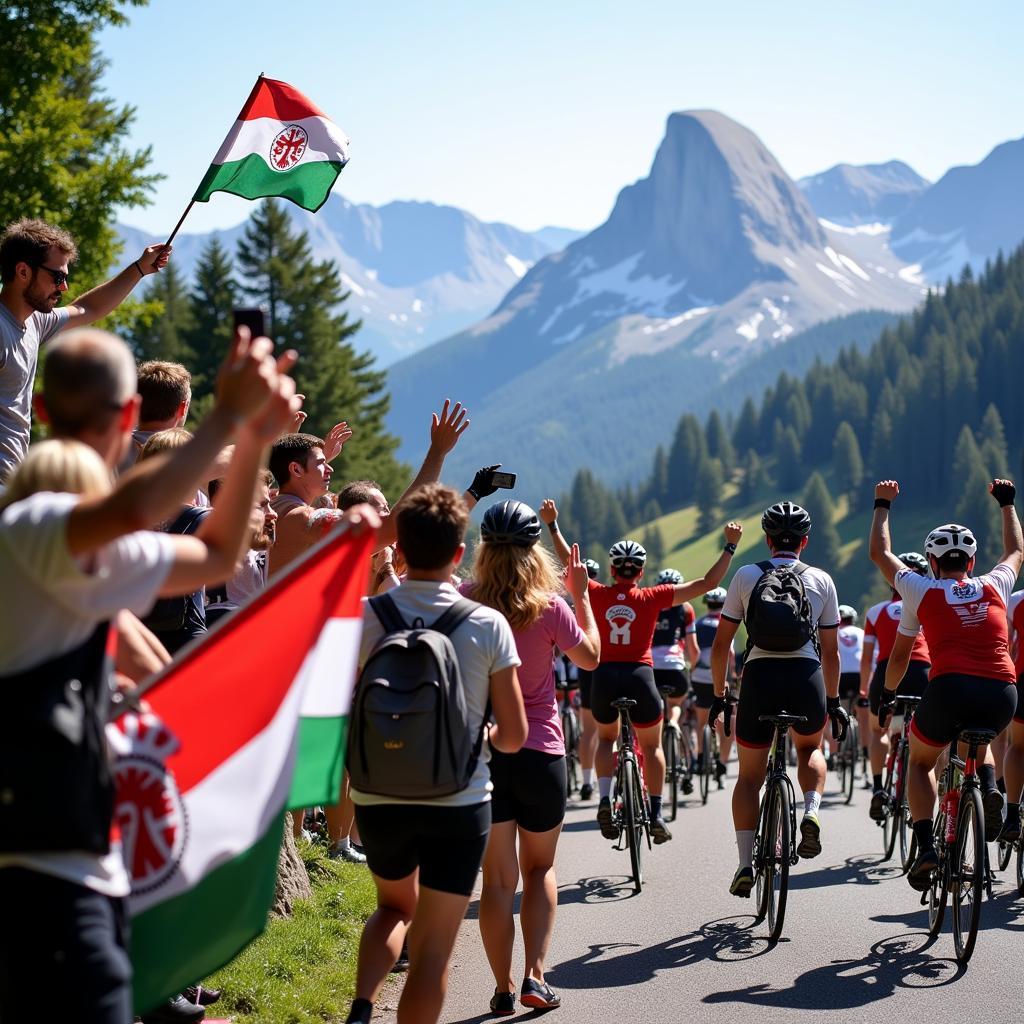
[[409, 736], [170, 614], [779, 615]]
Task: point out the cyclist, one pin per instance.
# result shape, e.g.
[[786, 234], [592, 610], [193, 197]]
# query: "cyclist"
[[972, 680], [703, 691], [673, 646], [909, 657], [800, 681], [851, 648], [1013, 763]]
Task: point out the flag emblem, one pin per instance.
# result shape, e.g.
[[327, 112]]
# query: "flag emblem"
[[150, 813], [288, 146]]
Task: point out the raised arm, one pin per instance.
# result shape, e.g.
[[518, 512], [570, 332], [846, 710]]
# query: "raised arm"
[[587, 653], [687, 591], [483, 486], [549, 516], [867, 655], [879, 541], [1013, 542], [105, 298]]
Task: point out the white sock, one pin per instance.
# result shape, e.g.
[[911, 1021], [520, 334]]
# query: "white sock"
[[745, 845], [604, 788], [343, 844], [588, 776], [812, 801]]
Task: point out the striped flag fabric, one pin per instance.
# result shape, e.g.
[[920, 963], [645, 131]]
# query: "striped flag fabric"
[[281, 145], [204, 771]]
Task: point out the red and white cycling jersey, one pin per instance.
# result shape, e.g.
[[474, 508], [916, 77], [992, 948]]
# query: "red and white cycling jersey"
[[882, 624], [626, 618], [1016, 616], [965, 621]]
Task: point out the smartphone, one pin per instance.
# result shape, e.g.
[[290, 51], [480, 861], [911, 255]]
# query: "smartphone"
[[507, 480], [253, 317]]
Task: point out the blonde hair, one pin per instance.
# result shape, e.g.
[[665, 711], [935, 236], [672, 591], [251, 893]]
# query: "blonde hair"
[[165, 441], [517, 581], [69, 467]]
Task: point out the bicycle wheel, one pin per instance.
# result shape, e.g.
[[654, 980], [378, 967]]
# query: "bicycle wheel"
[[631, 821], [1005, 853], [890, 822], [848, 755], [706, 766], [570, 733], [968, 873], [939, 889], [1020, 866], [778, 846], [908, 841], [670, 745]]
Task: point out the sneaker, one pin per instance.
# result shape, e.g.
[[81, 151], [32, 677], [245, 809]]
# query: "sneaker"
[[402, 963], [810, 837], [175, 1011], [877, 810], [994, 802], [659, 831], [604, 818], [202, 996], [586, 791], [920, 874], [349, 854], [1010, 832], [742, 883], [720, 770], [538, 995], [687, 785], [503, 1004]]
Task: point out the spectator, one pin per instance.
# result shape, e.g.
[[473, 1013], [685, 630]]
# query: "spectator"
[[34, 262], [165, 390], [425, 856], [68, 564]]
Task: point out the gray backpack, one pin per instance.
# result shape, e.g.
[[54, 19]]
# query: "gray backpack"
[[409, 735]]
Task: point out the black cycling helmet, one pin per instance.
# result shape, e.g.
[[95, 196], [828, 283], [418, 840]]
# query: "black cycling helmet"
[[786, 522], [912, 560], [715, 598], [510, 522], [593, 569]]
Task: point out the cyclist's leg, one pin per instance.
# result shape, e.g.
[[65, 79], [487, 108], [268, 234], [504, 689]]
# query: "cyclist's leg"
[[804, 694], [497, 902], [1013, 773], [649, 738], [588, 731], [879, 747]]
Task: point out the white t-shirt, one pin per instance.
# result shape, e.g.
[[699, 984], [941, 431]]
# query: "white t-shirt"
[[484, 645], [821, 592], [52, 602], [851, 646]]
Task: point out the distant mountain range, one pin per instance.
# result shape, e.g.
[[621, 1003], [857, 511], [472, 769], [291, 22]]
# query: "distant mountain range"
[[868, 194], [417, 271]]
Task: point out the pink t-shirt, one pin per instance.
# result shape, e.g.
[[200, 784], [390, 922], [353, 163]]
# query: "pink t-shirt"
[[557, 627]]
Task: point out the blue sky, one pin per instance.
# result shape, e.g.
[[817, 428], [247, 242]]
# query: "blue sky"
[[538, 113]]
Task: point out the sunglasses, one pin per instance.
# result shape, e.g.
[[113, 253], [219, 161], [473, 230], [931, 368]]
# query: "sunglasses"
[[60, 278]]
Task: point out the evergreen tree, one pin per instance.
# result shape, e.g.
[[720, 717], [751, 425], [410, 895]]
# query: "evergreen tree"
[[166, 337], [978, 512], [708, 494], [654, 544], [718, 444], [303, 297], [882, 447], [849, 465], [688, 449], [966, 455], [657, 488], [993, 444], [755, 479], [788, 464], [746, 435], [213, 297], [652, 511], [825, 542]]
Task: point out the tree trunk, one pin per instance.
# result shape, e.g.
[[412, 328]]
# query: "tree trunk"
[[292, 877]]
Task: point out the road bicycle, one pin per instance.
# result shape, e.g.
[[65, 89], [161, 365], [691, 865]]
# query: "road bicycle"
[[846, 758], [708, 763], [959, 831], [629, 803], [896, 817], [775, 838], [675, 742], [1005, 853], [571, 732]]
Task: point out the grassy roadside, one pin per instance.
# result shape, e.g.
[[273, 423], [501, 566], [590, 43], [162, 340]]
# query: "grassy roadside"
[[302, 969]]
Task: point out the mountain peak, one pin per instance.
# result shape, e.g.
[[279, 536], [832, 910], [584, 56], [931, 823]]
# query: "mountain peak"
[[851, 194]]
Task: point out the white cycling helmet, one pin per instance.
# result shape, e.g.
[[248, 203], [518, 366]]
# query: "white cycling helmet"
[[847, 611], [944, 539]]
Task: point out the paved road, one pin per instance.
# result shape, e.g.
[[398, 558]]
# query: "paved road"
[[684, 949]]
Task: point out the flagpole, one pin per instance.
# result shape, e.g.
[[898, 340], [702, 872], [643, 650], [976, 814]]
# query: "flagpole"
[[192, 202]]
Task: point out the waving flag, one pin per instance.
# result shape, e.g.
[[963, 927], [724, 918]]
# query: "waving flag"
[[204, 774], [281, 145]]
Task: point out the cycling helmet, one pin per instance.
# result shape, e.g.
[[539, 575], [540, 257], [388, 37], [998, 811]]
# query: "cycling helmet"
[[786, 521], [593, 569], [716, 597], [912, 560], [944, 540], [669, 576], [510, 522], [627, 558], [847, 612]]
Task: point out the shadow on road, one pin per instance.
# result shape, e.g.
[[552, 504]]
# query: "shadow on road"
[[600, 889], [901, 961], [727, 940], [1005, 912], [863, 869]]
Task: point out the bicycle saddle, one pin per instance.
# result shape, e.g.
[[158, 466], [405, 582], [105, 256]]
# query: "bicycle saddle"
[[623, 702], [978, 736], [782, 718], [910, 702]]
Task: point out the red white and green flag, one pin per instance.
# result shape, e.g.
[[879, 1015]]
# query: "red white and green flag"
[[281, 145], [205, 773]]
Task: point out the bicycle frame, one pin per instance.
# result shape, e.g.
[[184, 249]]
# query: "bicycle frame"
[[777, 771]]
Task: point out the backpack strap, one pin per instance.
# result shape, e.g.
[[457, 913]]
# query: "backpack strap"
[[387, 612], [454, 616], [766, 566], [799, 567]]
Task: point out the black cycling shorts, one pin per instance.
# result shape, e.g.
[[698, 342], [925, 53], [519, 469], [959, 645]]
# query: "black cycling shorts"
[[676, 678], [614, 679], [849, 685], [1018, 715], [774, 685], [705, 694], [914, 683], [955, 701], [446, 843], [584, 681], [529, 789]]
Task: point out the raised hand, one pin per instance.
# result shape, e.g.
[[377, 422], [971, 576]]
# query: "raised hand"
[[154, 258], [733, 532], [447, 427], [299, 418], [887, 489], [483, 482], [248, 376], [576, 578], [1003, 491], [280, 407], [548, 511], [335, 440]]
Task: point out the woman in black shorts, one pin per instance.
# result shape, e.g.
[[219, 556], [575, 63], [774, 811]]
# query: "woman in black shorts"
[[516, 576]]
